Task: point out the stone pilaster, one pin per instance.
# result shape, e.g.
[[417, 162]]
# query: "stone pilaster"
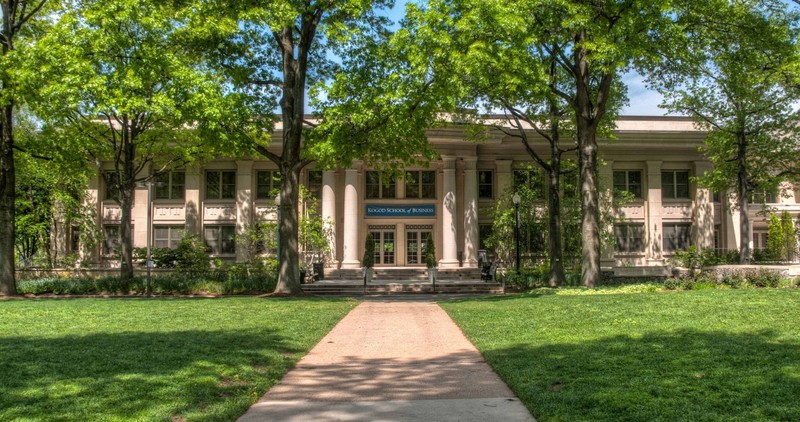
[[470, 212], [702, 211], [449, 244], [504, 179], [606, 174], [329, 210], [244, 205], [653, 227]]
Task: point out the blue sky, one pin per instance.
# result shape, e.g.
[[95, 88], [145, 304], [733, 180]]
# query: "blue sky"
[[641, 101]]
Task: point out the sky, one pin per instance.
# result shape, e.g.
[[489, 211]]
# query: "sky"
[[641, 100]]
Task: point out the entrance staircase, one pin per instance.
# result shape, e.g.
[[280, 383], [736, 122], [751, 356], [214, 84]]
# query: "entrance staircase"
[[400, 280]]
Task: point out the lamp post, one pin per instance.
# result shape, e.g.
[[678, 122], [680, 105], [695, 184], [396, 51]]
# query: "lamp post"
[[148, 262], [515, 199]]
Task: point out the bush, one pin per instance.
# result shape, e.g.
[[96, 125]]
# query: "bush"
[[369, 252], [430, 252]]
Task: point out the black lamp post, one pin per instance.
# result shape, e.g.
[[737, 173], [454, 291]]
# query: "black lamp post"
[[515, 199]]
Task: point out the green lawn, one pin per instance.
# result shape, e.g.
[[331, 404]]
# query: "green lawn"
[[161, 360], [711, 355]]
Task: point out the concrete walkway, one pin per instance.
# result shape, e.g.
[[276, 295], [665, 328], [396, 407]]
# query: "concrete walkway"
[[391, 361]]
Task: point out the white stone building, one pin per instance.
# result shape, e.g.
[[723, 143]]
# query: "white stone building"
[[654, 158]]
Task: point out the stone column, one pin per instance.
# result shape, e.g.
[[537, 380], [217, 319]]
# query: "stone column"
[[702, 211], [350, 258], [606, 174], [504, 180], [193, 206], [139, 211], [653, 227], [449, 244], [329, 211], [734, 231], [244, 206], [470, 212], [92, 200]]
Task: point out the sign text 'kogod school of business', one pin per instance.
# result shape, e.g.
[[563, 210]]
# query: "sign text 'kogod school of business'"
[[428, 210]]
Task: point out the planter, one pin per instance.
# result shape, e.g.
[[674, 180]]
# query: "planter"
[[367, 275], [432, 275]]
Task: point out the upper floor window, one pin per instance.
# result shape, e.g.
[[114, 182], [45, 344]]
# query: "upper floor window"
[[629, 237], [268, 184], [314, 184], [764, 196], [677, 236], [532, 179], [220, 184], [379, 186], [170, 185], [111, 180], [421, 184], [675, 184], [485, 184], [628, 181]]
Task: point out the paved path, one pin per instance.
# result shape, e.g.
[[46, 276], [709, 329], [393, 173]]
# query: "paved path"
[[391, 361]]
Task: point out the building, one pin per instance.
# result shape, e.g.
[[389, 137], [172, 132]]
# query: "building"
[[654, 158]]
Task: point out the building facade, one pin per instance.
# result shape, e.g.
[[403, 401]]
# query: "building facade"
[[653, 158]]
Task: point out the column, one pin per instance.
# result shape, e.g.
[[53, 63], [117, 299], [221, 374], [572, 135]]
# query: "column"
[[653, 226], [702, 211], [449, 245], [92, 200], [244, 207], [192, 207], [470, 212], [606, 197], [350, 259], [139, 211], [329, 211], [504, 180], [733, 223]]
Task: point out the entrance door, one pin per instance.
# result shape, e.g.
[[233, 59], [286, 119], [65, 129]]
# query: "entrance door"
[[384, 244], [415, 244]]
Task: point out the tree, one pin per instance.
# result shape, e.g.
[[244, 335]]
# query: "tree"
[[123, 84], [733, 73], [590, 43], [273, 52], [16, 18]]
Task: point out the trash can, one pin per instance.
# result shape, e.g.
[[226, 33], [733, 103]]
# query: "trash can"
[[302, 275], [319, 271]]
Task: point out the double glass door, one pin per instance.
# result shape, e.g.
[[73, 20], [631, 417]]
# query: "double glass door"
[[384, 238], [415, 245]]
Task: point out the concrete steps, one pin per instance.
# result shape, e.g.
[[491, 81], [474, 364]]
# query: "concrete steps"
[[405, 274], [356, 288]]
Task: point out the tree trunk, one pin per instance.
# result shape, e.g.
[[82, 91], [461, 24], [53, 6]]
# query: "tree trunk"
[[289, 260], [8, 285], [590, 205], [556, 251], [742, 192], [126, 191]]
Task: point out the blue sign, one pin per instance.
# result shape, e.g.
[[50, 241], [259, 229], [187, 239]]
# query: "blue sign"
[[378, 210]]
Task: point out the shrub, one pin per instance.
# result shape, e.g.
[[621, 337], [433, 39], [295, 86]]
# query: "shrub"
[[763, 277], [430, 252], [369, 252]]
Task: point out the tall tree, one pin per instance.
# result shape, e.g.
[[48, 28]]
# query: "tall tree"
[[277, 53], [120, 79], [16, 16], [735, 73]]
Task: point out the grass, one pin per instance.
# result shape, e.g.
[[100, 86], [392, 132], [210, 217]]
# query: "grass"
[[159, 360], [710, 355]]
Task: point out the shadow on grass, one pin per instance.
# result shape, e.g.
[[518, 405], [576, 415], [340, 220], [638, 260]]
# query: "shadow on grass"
[[140, 375], [685, 375]]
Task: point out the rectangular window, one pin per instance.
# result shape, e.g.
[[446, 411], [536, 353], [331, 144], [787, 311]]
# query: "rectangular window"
[[421, 184], [629, 237], [268, 184], [75, 239], [220, 184], [171, 185], [718, 237], [677, 237], [760, 240], [220, 239], [533, 239], [628, 181], [485, 184], [570, 183], [314, 184], [111, 238], [764, 196], [111, 180], [379, 186], [532, 179], [167, 236], [674, 185]]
